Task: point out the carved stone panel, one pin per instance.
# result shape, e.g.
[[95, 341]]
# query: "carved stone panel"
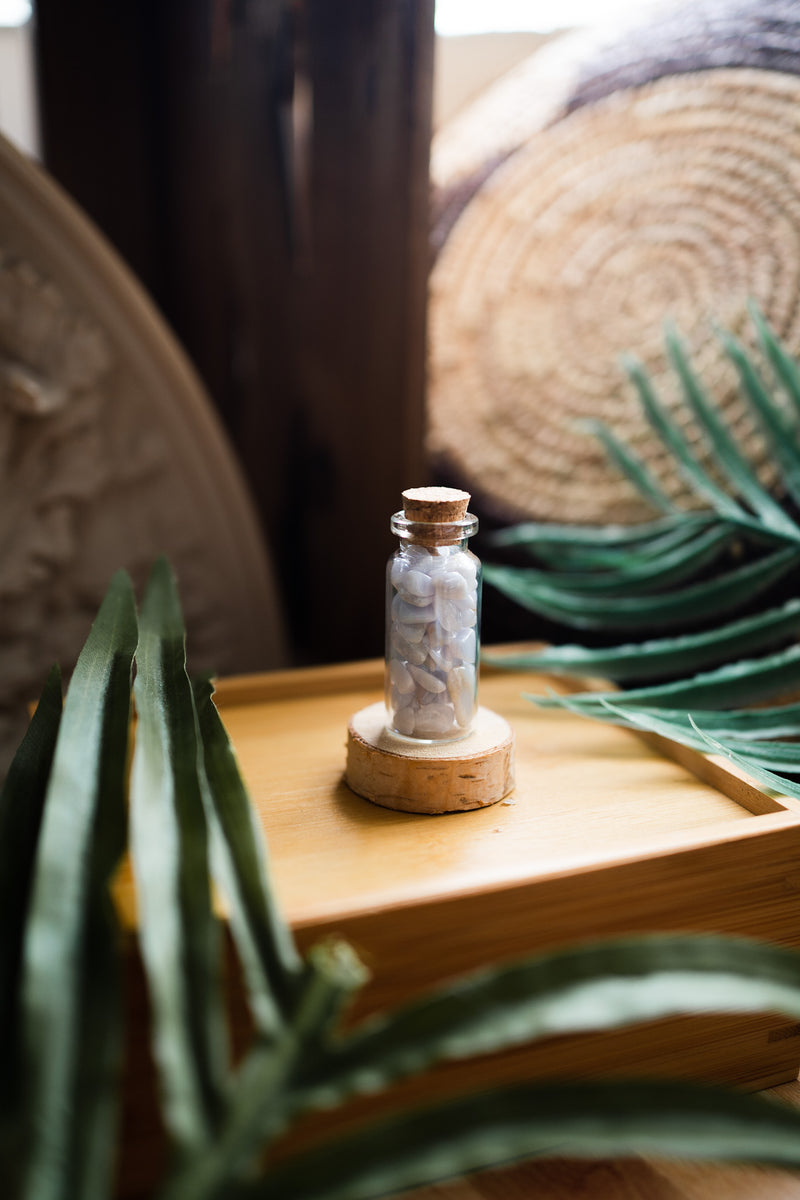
[[110, 454]]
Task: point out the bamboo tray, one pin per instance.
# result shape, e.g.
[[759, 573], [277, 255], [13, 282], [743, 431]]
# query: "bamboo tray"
[[606, 833]]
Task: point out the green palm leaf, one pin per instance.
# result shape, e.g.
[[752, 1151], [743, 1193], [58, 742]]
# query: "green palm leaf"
[[590, 548], [781, 432], [686, 461], [263, 1101], [785, 367], [272, 965], [178, 932], [585, 1119], [602, 986], [70, 973], [710, 598], [590, 988], [682, 654], [631, 466], [779, 783], [742, 682], [669, 567], [727, 453], [692, 729]]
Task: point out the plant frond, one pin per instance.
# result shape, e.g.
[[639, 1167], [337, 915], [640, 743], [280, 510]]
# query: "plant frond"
[[710, 598], [72, 1015], [179, 934], [683, 654]]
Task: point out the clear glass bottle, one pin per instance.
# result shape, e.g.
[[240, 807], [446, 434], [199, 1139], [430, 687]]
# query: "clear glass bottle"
[[433, 607]]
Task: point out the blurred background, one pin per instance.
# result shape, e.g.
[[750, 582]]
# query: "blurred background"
[[262, 167], [315, 197]]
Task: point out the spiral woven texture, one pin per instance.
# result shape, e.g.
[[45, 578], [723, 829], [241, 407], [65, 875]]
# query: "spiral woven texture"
[[677, 200]]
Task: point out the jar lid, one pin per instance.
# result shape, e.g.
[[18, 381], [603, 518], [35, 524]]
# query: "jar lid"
[[434, 516], [435, 504]]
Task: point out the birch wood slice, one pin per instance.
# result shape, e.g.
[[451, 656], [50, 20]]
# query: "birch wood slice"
[[396, 773]]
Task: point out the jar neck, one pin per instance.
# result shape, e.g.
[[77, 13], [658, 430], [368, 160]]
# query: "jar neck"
[[434, 534]]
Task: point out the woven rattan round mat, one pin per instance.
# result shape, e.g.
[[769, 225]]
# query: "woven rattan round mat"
[[679, 200]]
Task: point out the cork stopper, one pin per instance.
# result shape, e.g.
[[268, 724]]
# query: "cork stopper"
[[435, 504], [434, 516]]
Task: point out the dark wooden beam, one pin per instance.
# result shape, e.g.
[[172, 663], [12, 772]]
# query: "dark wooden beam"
[[263, 166]]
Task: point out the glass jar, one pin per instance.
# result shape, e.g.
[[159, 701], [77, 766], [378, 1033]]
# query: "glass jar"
[[433, 604]]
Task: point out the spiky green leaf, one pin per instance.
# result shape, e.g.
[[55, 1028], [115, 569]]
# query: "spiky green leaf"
[[178, 931], [714, 597], [631, 466], [640, 578], [595, 987], [662, 421], [725, 450], [680, 655], [264, 1099], [781, 432], [743, 682], [272, 965], [71, 976], [587, 1119], [785, 367]]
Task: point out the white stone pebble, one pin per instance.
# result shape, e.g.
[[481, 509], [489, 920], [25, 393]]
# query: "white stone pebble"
[[432, 642], [401, 677], [461, 686], [427, 681]]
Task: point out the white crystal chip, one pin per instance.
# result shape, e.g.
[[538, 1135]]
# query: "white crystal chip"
[[432, 642]]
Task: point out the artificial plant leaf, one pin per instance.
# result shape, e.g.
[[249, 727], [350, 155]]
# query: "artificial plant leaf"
[[682, 654], [781, 785], [594, 987], [636, 578], [585, 1119], [264, 1100], [71, 989], [632, 467], [743, 682], [688, 605], [272, 966], [768, 721], [727, 453], [21, 807], [784, 366], [781, 432], [179, 934], [599, 986], [773, 755], [670, 434], [579, 556], [738, 725], [604, 545]]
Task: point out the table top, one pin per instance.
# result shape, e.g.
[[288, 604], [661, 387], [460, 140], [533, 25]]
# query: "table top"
[[296, 785], [268, 718]]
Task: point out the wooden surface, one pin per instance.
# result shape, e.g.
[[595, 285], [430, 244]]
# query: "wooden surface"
[[589, 798], [591, 801], [604, 834]]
